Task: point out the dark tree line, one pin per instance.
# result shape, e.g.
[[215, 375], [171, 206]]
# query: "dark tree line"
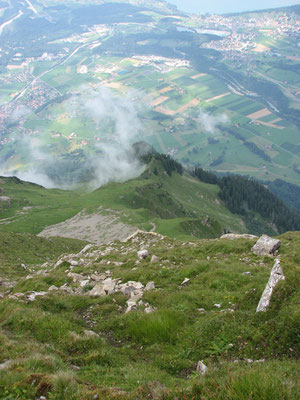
[[167, 162], [244, 196]]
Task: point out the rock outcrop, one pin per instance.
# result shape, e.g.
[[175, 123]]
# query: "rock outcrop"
[[275, 277]]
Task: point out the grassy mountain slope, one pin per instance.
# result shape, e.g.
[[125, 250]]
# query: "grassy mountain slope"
[[165, 198], [177, 205], [138, 355]]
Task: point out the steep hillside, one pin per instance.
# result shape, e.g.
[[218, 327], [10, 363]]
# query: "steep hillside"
[[111, 323]]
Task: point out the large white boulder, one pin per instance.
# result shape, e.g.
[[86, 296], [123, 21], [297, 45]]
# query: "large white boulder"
[[266, 245]]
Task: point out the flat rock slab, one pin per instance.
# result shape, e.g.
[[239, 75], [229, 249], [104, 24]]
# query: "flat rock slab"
[[233, 236], [275, 277], [266, 246]]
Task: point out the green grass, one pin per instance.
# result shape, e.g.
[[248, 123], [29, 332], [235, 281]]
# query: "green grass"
[[157, 353], [179, 206]]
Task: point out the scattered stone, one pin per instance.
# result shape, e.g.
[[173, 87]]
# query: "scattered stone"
[[74, 263], [132, 302], [118, 263], [85, 249], [202, 310], [260, 361], [59, 263], [90, 333], [201, 368], [149, 309], [97, 290], [84, 283], [77, 278], [66, 289], [1, 296], [266, 245], [142, 254], [29, 277], [98, 278], [154, 259], [33, 295], [150, 286], [247, 273], [233, 236], [52, 288], [5, 365], [217, 305], [275, 276], [109, 286], [186, 280]]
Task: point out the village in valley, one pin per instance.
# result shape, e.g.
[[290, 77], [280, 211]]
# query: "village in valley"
[[170, 91]]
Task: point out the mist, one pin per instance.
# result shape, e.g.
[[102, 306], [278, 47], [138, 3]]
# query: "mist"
[[209, 123], [111, 160]]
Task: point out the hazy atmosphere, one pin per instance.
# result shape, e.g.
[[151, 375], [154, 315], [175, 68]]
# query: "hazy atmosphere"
[[220, 6]]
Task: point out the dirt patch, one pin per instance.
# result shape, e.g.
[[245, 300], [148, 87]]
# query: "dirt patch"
[[158, 101], [163, 110], [259, 114], [261, 48], [198, 76], [165, 90], [270, 125], [192, 103], [217, 97], [95, 228], [116, 85]]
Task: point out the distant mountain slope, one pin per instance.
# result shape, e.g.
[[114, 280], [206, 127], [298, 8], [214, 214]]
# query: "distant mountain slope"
[[165, 198]]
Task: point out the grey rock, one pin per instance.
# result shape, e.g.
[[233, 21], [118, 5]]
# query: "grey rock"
[[149, 309], [132, 302], [142, 254], [90, 333], [52, 288], [5, 365], [74, 263], [201, 368], [186, 280], [233, 236], [154, 259], [66, 288], [59, 263], [98, 278], [275, 277], [33, 295], [266, 245], [217, 305], [85, 249], [109, 286], [97, 290], [84, 283], [150, 286], [131, 287], [247, 273], [77, 278]]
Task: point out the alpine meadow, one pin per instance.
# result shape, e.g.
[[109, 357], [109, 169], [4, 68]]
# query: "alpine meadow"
[[149, 200]]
